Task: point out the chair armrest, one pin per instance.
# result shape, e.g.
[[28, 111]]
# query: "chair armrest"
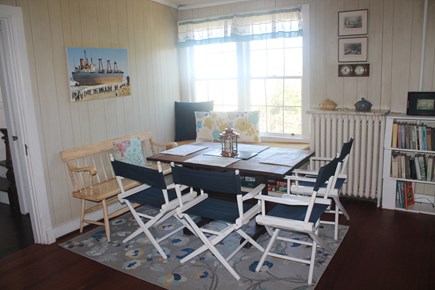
[[299, 178], [167, 146], [313, 173], [288, 199]]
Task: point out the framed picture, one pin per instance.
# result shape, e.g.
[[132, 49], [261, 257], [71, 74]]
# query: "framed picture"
[[421, 103], [352, 22], [97, 73], [352, 49]]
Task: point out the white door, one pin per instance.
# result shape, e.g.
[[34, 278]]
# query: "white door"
[[15, 84]]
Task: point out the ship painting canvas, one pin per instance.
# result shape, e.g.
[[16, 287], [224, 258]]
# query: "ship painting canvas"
[[98, 73]]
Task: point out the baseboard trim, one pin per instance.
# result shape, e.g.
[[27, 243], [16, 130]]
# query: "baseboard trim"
[[74, 224]]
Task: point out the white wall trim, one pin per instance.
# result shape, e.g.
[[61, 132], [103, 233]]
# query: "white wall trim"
[[21, 122], [74, 224]]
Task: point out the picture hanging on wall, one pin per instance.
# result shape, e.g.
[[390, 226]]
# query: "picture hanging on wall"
[[98, 73], [352, 49], [352, 22]]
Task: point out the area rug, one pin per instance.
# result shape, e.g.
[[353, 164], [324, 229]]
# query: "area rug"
[[139, 258]]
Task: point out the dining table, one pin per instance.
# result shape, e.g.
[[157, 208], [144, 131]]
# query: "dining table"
[[255, 160], [261, 162]]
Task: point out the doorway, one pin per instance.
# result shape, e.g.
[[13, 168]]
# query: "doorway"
[[15, 85]]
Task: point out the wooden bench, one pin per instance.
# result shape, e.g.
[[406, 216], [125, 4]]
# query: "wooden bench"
[[93, 179]]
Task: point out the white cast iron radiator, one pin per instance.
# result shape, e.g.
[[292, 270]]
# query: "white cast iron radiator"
[[330, 129]]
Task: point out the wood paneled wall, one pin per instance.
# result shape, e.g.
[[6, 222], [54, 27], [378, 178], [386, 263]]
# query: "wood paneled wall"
[[394, 48], [147, 29]]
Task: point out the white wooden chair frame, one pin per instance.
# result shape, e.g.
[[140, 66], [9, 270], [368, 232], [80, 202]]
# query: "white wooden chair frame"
[[275, 224], [334, 193], [217, 236], [167, 210]]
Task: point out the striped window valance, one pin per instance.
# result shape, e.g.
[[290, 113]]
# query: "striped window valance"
[[241, 27]]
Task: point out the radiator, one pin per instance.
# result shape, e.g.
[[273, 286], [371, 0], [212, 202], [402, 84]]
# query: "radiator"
[[330, 129]]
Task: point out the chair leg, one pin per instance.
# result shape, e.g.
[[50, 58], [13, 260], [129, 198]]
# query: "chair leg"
[[312, 261], [82, 215], [336, 218], [207, 246], [267, 250], [341, 207], [106, 220]]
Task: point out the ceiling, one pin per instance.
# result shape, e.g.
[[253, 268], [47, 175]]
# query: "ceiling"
[[191, 4]]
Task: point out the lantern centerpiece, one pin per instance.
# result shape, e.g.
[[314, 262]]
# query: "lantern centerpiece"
[[229, 142]]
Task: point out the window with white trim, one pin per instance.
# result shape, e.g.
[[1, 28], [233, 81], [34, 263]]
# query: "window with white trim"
[[258, 74]]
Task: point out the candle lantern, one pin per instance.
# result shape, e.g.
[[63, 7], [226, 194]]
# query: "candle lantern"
[[229, 142]]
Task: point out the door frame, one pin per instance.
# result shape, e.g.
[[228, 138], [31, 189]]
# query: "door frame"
[[16, 88]]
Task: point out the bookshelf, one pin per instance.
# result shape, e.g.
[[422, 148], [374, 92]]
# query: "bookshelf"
[[409, 164]]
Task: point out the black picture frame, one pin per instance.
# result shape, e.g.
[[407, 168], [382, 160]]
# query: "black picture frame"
[[421, 104]]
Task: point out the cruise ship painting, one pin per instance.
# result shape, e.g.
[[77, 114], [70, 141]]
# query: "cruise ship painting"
[[86, 73]]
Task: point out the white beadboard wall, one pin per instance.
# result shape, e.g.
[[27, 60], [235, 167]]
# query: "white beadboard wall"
[[147, 29], [394, 48]]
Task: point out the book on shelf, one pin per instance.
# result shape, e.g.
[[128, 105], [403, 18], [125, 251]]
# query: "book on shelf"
[[412, 167], [408, 194], [395, 166], [422, 164], [417, 167], [429, 138], [402, 165], [394, 137], [404, 194], [429, 173]]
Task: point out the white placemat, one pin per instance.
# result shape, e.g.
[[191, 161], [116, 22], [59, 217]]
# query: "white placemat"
[[184, 150], [212, 160]]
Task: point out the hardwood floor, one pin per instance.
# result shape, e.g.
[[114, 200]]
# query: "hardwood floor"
[[15, 229], [382, 250]]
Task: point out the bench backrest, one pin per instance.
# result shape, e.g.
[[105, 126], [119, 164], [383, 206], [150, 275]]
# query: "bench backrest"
[[97, 158]]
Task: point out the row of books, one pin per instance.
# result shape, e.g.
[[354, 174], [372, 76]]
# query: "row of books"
[[272, 185], [413, 136], [419, 166], [404, 194]]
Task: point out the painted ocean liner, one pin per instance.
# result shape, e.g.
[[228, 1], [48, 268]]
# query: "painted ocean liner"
[[86, 74]]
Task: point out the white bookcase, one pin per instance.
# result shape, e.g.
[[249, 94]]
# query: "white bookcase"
[[424, 191]]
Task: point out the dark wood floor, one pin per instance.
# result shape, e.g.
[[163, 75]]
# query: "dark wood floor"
[[382, 250], [15, 229]]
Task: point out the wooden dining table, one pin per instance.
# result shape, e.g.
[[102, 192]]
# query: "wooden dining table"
[[256, 160], [264, 163]]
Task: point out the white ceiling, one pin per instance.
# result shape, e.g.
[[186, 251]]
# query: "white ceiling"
[[191, 4]]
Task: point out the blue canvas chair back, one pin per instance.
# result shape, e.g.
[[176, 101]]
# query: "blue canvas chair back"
[[345, 150], [222, 182], [149, 176], [325, 172]]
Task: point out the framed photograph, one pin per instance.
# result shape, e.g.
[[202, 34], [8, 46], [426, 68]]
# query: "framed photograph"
[[421, 103], [352, 49], [97, 73], [352, 22]]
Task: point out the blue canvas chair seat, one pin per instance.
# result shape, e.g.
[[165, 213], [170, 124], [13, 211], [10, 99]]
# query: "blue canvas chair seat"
[[153, 192], [235, 213], [151, 196], [297, 213], [306, 187], [338, 184]]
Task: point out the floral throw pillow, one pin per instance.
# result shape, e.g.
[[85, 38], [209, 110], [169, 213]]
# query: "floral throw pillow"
[[210, 124], [247, 124], [129, 151]]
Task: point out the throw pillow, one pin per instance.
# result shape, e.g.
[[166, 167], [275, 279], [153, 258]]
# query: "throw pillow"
[[129, 151], [185, 128], [210, 124]]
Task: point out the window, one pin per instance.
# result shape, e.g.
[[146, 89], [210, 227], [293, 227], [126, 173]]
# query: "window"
[[263, 74]]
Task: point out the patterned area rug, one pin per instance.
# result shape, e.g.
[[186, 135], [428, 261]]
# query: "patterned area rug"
[[139, 258]]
